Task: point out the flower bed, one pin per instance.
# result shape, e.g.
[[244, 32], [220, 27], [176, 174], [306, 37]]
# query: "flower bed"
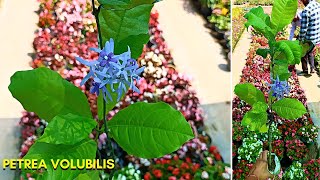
[[290, 144], [67, 29], [237, 25], [254, 2]]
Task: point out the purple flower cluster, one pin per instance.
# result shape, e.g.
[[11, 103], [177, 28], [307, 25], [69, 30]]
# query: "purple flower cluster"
[[279, 88], [111, 70]]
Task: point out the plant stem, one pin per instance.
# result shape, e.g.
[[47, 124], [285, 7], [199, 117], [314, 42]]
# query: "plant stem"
[[270, 139], [95, 12]]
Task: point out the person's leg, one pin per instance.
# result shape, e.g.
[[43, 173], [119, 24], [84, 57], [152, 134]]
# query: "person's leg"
[[304, 64], [311, 60]]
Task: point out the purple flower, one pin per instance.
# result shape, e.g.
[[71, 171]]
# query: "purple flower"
[[110, 70], [279, 88]]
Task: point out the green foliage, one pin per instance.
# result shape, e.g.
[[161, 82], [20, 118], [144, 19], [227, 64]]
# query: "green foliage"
[[283, 11], [280, 69], [257, 117], [127, 24], [67, 129], [85, 149], [114, 2], [263, 52], [150, 130], [54, 95], [260, 22], [89, 175], [289, 108], [248, 93], [290, 51]]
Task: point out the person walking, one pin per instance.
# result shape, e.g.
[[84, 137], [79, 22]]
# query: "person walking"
[[309, 32]]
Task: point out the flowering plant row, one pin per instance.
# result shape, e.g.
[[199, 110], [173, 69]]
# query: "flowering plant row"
[[67, 29], [285, 136], [237, 25]]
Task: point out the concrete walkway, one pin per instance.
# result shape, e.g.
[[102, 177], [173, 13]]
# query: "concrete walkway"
[[18, 23], [239, 57], [199, 55]]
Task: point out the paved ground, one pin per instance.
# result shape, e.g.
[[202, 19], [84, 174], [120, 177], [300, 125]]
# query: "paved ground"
[[196, 53], [18, 23]]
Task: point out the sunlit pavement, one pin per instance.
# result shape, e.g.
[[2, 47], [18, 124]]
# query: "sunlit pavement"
[[18, 23], [198, 54]]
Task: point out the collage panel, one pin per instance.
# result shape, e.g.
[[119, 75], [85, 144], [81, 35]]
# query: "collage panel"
[[275, 80], [115, 89]]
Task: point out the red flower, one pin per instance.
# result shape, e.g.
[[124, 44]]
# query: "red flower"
[[170, 168], [186, 176], [195, 167], [176, 171], [212, 149], [172, 178], [147, 176], [184, 166], [157, 173]]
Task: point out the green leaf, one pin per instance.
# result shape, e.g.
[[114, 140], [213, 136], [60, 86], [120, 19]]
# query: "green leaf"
[[259, 107], [128, 25], [283, 11], [282, 71], [305, 48], [67, 129], [289, 108], [264, 128], [289, 50], [85, 149], [255, 120], [259, 21], [263, 52], [46, 93], [249, 93], [150, 130], [90, 175], [114, 2]]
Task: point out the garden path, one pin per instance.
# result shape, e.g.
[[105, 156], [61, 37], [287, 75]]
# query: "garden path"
[[18, 23], [199, 55]]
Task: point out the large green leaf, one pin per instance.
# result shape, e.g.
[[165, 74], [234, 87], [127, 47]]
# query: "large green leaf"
[[263, 52], [46, 93], [249, 93], [127, 24], [90, 175], [259, 21], [283, 11], [67, 129], [257, 117], [114, 2], [289, 108], [280, 69], [85, 149], [289, 50], [150, 130]]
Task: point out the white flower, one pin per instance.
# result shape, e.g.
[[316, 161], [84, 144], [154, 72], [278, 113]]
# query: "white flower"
[[204, 175]]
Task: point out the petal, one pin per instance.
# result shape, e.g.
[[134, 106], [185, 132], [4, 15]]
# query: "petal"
[[140, 70], [95, 49], [111, 45], [87, 63], [85, 79], [116, 65]]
